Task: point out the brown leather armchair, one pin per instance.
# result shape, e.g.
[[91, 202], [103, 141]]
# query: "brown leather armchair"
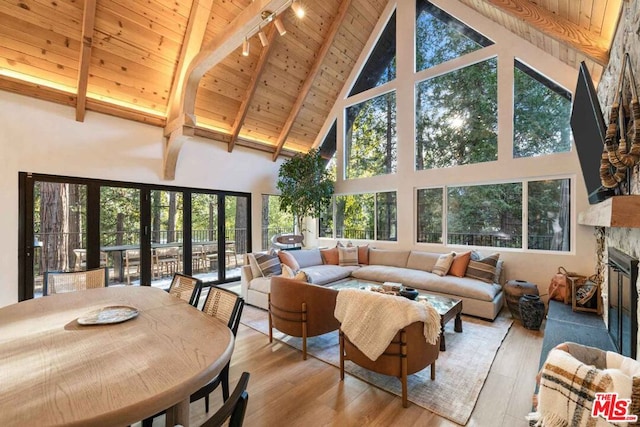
[[301, 309], [407, 354]]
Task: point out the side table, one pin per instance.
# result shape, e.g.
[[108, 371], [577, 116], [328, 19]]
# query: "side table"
[[513, 290]]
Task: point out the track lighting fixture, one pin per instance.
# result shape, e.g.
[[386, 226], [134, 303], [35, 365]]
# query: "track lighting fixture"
[[280, 26], [267, 17], [263, 38], [245, 47]]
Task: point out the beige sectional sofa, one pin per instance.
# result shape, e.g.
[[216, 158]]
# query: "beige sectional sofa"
[[409, 267]]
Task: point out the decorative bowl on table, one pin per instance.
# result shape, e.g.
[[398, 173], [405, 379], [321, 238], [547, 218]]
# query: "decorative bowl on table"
[[409, 293]]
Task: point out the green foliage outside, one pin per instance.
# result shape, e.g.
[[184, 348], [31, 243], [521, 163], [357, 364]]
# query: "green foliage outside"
[[541, 118]]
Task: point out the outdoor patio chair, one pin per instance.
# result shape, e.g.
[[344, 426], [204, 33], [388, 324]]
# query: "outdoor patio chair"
[[234, 408], [226, 306], [131, 260], [56, 282], [166, 261], [186, 288]]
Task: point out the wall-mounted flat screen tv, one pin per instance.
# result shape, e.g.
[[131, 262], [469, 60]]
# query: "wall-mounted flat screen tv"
[[589, 130]]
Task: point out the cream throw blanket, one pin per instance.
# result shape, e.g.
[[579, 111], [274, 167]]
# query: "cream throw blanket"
[[372, 319], [568, 387]]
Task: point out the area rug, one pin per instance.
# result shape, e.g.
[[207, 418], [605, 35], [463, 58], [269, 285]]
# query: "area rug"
[[460, 371]]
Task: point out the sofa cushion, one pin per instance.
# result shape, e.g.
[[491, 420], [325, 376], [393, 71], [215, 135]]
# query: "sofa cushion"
[[307, 257], [260, 284], [459, 265], [394, 258], [289, 260], [483, 269], [443, 264], [323, 274], [330, 256], [450, 285], [348, 256], [422, 260]]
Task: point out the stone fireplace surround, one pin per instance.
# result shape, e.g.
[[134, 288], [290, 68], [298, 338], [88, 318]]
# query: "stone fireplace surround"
[[617, 221]]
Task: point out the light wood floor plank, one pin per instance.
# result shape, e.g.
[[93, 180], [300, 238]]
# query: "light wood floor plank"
[[285, 390]]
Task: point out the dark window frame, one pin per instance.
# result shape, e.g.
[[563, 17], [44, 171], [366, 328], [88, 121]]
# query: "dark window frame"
[[26, 181]]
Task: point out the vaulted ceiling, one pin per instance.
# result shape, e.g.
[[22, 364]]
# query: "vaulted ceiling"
[[178, 64]]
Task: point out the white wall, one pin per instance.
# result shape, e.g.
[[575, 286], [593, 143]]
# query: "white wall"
[[43, 137], [535, 266]]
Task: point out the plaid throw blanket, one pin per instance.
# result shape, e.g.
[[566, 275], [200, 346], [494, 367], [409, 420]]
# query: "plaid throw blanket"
[[568, 390], [371, 319]]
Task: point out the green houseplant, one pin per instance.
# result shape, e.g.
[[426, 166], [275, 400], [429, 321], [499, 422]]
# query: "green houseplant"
[[306, 186]]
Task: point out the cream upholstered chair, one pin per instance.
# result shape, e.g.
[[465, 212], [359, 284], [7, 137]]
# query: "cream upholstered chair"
[[300, 309], [56, 282], [186, 288], [226, 306]]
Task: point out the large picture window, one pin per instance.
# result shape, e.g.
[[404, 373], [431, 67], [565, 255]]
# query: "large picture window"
[[274, 221], [541, 112], [491, 215], [371, 216], [429, 202], [371, 137], [457, 117]]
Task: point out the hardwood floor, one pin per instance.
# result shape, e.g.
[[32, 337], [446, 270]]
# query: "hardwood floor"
[[285, 390]]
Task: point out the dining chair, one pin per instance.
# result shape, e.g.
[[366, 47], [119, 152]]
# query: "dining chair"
[[57, 282], [131, 259], [226, 306], [186, 288], [233, 408]]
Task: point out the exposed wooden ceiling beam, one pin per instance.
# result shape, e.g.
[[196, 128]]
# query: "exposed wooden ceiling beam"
[[194, 35], [57, 96], [313, 72], [88, 21], [251, 90], [219, 48], [566, 32]]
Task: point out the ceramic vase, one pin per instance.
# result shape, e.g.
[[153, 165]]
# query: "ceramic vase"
[[531, 311]]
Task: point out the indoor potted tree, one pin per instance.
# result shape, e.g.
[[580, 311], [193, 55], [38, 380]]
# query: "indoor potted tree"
[[306, 186]]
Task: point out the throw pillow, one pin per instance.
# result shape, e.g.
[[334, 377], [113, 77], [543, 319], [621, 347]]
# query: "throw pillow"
[[301, 276], [287, 272], [348, 256], [363, 255], [443, 264], [459, 265], [255, 270], [330, 256], [483, 269], [269, 265], [287, 259]]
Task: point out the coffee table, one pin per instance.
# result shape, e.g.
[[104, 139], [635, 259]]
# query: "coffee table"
[[448, 308]]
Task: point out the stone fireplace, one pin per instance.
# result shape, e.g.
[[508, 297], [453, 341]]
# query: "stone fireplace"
[[617, 220]]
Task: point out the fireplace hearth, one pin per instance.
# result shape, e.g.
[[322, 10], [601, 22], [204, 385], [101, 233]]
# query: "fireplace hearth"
[[623, 301]]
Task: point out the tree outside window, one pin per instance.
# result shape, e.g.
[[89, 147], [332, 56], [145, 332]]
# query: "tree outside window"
[[541, 113]]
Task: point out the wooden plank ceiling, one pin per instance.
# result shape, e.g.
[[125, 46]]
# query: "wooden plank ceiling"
[[131, 58]]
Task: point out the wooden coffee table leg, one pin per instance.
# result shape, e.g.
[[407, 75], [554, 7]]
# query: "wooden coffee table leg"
[[458, 323], [443, 345]]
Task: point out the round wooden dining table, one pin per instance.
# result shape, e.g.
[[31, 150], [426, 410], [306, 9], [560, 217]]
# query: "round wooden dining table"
[[55, 371]]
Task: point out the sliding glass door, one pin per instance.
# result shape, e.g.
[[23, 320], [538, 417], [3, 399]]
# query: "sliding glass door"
[[141, 233]]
